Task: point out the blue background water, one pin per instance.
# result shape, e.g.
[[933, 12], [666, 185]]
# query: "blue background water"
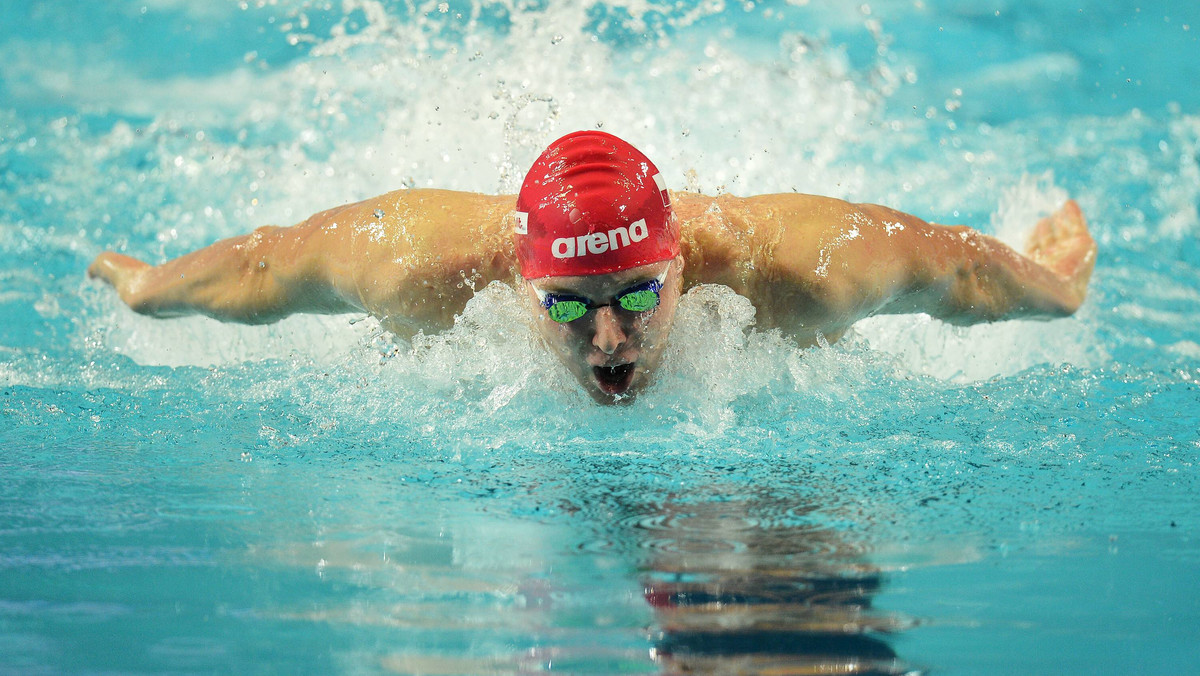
[[190, 496]]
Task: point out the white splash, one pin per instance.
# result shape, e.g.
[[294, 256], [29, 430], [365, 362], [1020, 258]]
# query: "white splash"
[[851, 232], [1023, 205]]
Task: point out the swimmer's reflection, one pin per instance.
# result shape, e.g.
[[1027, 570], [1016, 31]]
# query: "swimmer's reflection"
[[742, 587]]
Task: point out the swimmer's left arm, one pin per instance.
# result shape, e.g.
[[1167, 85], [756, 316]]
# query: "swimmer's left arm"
[[835, 263], [963, 277]]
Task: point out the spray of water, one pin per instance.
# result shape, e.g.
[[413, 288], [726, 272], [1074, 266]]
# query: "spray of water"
[[381, 95], [352, 99]]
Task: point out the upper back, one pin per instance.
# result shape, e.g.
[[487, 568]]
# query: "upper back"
[[417, 256]]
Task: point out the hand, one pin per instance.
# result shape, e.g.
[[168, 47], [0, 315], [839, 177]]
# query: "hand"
[[1062, 244], [120, 271]]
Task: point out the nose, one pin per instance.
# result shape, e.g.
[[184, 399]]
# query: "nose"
[[609, 335]]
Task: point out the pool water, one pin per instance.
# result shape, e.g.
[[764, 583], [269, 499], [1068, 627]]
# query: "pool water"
[[314, 496]]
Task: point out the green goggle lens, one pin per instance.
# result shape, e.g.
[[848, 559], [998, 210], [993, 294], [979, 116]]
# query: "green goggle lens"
[[566, 311], [639, 301], [640, 298]]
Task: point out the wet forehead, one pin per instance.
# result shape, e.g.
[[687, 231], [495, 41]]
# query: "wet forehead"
[[600, 286]]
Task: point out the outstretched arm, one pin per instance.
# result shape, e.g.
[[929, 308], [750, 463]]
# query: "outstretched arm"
[[411, 258], [254, 279], [836, 263], [963, 277]]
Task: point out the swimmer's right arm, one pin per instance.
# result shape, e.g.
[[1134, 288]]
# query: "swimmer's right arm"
[[256, 278], [404, 257]]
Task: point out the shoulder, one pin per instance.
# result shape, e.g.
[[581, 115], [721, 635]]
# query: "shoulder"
[[785, 218], [417, 255], [808, 263], [416, 221], [747, 241]]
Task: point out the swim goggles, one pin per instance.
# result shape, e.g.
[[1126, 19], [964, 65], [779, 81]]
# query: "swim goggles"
[[564, 308]]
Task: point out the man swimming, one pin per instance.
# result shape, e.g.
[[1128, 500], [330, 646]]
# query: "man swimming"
[[602, 251]]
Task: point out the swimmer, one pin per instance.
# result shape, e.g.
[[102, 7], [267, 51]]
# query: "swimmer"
[[601, 250]]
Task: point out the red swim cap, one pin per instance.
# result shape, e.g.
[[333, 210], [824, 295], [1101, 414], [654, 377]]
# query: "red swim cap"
[[592, 204]]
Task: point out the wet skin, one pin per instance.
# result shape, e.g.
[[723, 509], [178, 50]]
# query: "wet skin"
[[811, 265], [611, 351]]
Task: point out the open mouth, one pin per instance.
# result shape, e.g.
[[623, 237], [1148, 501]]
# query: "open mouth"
[[614, 379]]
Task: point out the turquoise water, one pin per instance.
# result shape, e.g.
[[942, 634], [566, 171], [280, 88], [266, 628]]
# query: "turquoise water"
[[187, 496]]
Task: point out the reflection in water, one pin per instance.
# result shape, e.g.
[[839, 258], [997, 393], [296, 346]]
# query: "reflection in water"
[[736, 584], [738, 590]]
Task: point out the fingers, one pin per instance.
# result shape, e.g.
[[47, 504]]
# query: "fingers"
[[1065, 228], [119, 271], [1062, 244], [1071, 211], [1073, 247], [110, 266], [100, 267]]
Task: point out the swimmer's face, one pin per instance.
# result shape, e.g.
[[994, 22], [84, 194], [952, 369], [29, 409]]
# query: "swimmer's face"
[[611, 351]]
